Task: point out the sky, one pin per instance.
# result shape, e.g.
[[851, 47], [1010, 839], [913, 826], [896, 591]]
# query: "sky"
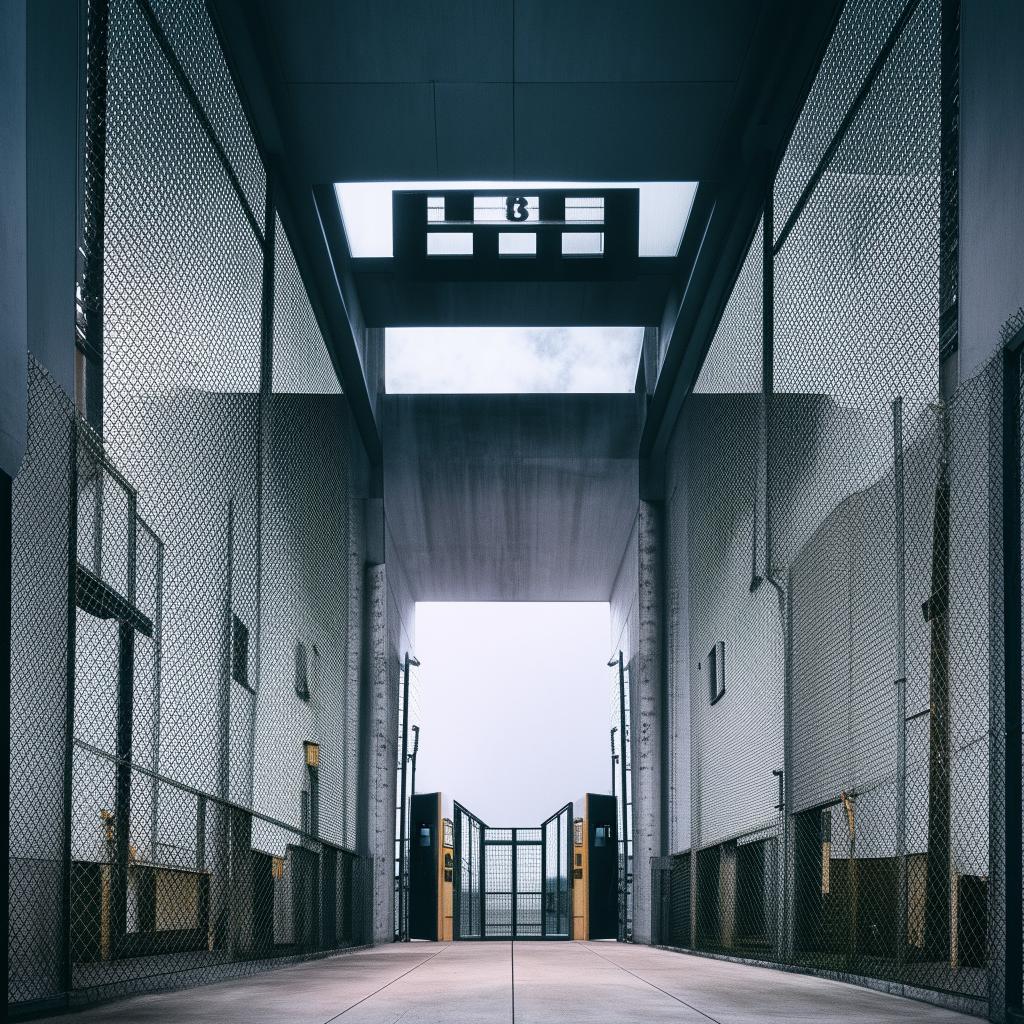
[[493, 360], [514, 705]]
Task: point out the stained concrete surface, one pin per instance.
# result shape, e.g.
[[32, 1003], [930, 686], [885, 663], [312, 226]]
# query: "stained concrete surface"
[[532, 983]]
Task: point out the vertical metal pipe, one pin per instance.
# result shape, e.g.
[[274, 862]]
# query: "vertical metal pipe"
[[67, 976], [624, 801], [515, 884], [221, 866], [615, 758], [901, 680], [413, 755], [263, 421], [123, 784], [403, 932], [1006, 781]]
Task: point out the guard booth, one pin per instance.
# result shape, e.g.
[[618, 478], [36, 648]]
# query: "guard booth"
[[595, 869], [431, 869]]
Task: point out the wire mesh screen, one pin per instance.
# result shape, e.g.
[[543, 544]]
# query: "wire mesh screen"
[[835, 557], [188, 567], [512, 883], [468, 876]]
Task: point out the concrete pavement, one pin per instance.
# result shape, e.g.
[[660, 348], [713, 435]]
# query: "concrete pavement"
[[527, 982]]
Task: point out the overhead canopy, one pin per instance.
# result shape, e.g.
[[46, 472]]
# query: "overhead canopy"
[[511, 497]]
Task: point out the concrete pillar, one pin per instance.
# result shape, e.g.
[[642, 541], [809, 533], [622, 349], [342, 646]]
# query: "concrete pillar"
[[646, 701], [381, 748]]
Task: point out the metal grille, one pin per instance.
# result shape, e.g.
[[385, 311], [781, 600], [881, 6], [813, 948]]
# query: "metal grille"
[[188, 566], [844, 565], [193, 43], [512, 883]]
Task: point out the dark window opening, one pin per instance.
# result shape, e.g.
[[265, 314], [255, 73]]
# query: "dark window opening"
[[716, 672], [301, 672], [239, 651]]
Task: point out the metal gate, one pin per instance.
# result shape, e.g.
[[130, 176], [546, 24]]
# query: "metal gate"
[[513, 883]]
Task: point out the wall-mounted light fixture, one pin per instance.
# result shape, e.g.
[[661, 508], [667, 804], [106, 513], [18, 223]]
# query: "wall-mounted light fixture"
[[312, 754]]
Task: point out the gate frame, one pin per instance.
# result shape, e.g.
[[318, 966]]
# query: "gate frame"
[[514, 842]]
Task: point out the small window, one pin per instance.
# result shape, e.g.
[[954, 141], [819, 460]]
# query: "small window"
[[716, 672], [582, 243], [517, 243], [301, 672], [584, 209], [239, 651], [435, 209], [449, 243]]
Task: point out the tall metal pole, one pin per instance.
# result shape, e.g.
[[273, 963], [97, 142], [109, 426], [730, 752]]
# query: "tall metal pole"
[[624, 798], [901, 682], [615, 757], [412, 756], [400, 923], [1005, 779]]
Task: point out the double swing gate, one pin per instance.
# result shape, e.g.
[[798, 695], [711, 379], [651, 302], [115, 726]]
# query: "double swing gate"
[[513, 883]]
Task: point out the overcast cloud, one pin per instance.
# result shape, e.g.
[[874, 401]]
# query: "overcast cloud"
[[494, 360], [514, 706]]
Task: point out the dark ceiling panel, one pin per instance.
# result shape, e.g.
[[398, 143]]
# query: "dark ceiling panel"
[[364, 132], [623, 132], [390, 301], [392, 41], [645, 41], [474, 130]]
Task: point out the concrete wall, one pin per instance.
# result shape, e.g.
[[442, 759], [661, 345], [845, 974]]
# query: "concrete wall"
[[737, 742]]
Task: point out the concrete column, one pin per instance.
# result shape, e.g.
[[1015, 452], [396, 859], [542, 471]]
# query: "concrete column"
[[646, 700], [382, 755]]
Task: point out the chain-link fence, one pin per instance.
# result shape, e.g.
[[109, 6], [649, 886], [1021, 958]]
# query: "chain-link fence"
[[188, 565], [835, 558]]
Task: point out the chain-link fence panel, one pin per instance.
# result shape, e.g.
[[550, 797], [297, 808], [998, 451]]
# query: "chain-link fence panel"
[[878, 672], [188, 565]]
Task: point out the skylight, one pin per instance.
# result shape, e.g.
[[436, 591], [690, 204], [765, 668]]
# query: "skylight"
[[366, 209], [509, 360]]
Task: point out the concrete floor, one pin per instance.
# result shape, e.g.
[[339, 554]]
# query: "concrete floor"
[[540, 983]]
